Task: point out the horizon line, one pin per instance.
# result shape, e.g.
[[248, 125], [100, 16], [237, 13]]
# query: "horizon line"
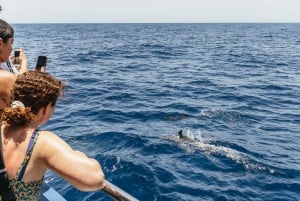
[[275, 22]]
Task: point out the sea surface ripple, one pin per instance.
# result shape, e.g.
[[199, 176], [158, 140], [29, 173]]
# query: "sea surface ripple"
[[233, 89]]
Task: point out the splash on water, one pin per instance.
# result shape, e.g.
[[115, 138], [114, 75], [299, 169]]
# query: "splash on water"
[[193, 141]]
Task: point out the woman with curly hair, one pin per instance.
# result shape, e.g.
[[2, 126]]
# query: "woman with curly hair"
[[29, 152]]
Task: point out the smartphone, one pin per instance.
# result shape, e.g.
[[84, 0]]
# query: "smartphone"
[[41, 63], [17, 55]]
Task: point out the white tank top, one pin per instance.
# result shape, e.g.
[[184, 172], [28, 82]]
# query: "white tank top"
[[8, 66]]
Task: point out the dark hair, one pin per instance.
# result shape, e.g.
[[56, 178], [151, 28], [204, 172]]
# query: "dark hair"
[[6, 31], [35, 90]]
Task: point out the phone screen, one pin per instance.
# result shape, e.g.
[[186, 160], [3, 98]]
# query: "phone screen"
[[41, 62], [17, 54]]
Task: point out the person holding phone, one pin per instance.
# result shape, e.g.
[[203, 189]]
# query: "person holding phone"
[[7, 75], [6, 42], [28, 152], [8, 71]]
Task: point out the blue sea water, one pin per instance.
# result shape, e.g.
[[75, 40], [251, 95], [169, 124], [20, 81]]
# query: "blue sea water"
[[234, 90]]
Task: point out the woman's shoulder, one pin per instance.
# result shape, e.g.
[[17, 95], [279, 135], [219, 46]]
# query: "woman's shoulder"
[[47, 137], [49, 141]]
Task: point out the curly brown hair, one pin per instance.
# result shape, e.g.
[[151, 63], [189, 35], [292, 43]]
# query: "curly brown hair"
[[35, 90]]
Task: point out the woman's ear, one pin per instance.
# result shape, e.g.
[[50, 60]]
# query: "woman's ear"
[[46, 109], [1, 45], [44, 114]]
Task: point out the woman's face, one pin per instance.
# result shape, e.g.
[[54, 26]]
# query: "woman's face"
[[5, 49]]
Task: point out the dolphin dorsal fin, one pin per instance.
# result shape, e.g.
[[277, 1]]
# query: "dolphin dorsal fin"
[[180, 134]]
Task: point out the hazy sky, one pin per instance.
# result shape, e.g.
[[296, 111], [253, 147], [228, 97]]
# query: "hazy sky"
[[32, 11]]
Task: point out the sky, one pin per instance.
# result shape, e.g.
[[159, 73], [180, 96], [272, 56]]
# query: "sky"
[[149, 11]]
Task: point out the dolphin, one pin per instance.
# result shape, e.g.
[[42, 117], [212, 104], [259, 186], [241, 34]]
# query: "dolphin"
[[184, 138]]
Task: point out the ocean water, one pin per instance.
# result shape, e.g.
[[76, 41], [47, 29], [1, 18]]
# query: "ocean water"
[[233, 89]]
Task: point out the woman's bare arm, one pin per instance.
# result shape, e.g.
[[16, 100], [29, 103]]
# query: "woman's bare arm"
[[80, 171]]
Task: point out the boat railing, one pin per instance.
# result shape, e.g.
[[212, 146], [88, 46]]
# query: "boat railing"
[[117, 193]]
